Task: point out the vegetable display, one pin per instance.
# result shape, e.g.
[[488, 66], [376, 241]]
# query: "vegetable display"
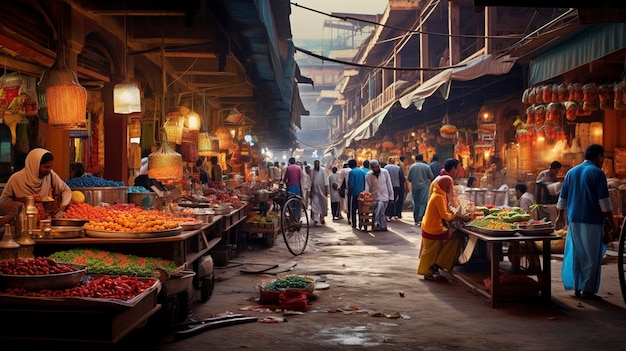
[[105, 287], [492, 223], [289, 282], [112, 263], [33, 266]]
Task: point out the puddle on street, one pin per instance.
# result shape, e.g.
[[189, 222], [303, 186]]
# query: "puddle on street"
[[350, 336]]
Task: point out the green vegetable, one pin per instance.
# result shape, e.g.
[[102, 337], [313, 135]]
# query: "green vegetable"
[[289, 282]]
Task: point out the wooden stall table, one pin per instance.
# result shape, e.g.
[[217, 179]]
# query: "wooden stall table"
[[497, 265], [184, 249], [229, 229]]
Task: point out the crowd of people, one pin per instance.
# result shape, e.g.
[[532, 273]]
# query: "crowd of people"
[[587, 215]]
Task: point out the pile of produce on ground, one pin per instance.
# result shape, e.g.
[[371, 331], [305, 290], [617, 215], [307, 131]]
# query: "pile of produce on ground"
[[289, 282], [113, 263]]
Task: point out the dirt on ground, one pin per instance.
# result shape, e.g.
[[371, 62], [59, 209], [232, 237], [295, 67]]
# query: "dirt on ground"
[[374, 300]]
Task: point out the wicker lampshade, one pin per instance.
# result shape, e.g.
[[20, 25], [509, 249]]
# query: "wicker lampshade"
[[189, 145], [192, 120], [165, 164], [208, 145], [225, 139], [126, 98], [174, 128], [65, 98], [134, 129]]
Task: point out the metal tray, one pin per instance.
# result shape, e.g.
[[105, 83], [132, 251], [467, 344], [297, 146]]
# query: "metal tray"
[[191, 226], [195, 204], [132, 235], [48, 281], [492, 232], [536, 231], [66, 232], [69, 222]]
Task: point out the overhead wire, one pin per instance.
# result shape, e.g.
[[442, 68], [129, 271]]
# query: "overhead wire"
[[346, 18]]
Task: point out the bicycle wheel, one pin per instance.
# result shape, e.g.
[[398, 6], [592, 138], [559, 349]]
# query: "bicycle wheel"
[[621, 264], [294, 224]]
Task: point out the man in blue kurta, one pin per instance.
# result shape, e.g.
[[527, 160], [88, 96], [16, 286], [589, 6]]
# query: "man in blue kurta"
[[356, 185], [420, 177], [585, 199]]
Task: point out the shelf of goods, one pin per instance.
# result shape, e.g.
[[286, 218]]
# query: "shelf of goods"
[[230, 230]]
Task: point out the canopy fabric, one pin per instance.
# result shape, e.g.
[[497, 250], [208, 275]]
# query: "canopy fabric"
[[591, 43], [365, 130], [474, 68]]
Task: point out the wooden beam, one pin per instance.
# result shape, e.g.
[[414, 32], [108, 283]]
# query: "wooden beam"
[[21, 66], [191, 54], [207, 73]]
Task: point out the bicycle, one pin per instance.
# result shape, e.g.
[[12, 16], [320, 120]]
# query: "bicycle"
[[294, 220]]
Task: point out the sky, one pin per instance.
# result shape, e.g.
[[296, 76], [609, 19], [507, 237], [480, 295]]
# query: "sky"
[[306, 24]]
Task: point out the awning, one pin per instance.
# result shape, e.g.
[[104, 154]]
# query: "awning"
[[474, 68], [582, 47], [365, 130]]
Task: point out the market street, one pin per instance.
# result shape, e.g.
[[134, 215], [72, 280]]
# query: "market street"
[[366, 273]]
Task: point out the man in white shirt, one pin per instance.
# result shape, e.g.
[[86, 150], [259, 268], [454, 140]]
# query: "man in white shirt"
[[524, 198], [378, 183], [343, 177]]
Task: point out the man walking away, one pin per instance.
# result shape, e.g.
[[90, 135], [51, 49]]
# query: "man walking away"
[[420, 177]]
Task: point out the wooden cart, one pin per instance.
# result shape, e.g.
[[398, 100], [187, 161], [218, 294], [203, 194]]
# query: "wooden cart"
[[366, 215]]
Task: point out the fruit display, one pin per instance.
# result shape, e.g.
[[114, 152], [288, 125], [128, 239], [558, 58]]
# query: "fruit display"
[[113, 263], [121, 218], [90, 181], [34, 266], [492, 223]]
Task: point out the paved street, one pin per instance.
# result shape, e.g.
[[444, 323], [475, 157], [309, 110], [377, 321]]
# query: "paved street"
[[366, 273]]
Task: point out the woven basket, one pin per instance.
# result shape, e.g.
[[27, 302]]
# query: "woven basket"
[[165, 164]]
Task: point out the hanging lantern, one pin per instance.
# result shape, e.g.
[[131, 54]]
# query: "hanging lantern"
[[126, 95], [208, 145], [126, 98], [174, 128], [66, 99], [165, 165], [189, 145], [134, 129], [225, 139], [192, 120]]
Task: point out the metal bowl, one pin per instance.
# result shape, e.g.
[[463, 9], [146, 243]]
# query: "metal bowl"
[[66, 232], [49, 281]]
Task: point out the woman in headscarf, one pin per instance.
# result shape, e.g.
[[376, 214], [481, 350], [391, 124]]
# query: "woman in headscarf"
[[439, 246], [37, 179]]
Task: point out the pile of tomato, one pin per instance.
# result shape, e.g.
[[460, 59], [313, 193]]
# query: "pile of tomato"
[[33, 266], [105, 287]]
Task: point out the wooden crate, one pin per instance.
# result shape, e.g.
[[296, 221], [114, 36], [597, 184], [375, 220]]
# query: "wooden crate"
[[84, 320]]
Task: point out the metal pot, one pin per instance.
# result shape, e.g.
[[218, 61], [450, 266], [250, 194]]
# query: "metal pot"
[[261, 196], [144, 200], [110, 195]]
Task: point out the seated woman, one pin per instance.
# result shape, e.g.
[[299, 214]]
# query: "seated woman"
[[439, 247]]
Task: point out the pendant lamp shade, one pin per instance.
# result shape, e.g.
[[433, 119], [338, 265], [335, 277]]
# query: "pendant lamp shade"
[[192, 120], [65, 98], [126, 98]]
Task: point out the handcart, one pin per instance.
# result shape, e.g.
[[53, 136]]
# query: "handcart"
[[366, 214]]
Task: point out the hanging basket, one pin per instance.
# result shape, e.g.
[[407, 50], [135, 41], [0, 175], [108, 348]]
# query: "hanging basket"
[[134, 129], [189, 145], [174, 128], [165, 164], [448, 131], [208, 145]]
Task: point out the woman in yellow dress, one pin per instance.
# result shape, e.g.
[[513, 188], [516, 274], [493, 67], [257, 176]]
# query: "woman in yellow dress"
[[439, 246]]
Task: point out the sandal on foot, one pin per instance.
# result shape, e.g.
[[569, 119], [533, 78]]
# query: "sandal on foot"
[[435, 278], [590, 296], [577, 293]]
